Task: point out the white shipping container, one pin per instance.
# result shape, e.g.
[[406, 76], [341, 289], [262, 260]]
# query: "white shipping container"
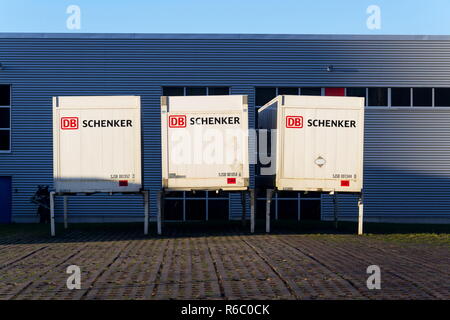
[[204, 142], [319, 142], [97, 144]]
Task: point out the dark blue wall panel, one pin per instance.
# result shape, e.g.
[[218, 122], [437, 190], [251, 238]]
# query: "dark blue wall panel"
[[5, 199]]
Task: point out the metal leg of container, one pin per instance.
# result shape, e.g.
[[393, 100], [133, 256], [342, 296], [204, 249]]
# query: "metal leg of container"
[[145, 194], [336, 207], [163, 208], [159, 205], [252, 211], [360, 215], [268, 201], [52, 213], [65, 211], [244, 205]]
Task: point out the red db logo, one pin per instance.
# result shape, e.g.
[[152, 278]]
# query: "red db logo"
[[69, 123], [177, 121], [294, 122]]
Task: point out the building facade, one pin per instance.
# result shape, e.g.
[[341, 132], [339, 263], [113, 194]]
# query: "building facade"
[[405, 79]]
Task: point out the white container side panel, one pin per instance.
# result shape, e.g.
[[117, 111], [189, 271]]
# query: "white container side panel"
[[205, 142], [97, 144], [319, 143]]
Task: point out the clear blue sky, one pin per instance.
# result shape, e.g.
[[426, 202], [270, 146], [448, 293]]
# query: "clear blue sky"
[[228, 16]]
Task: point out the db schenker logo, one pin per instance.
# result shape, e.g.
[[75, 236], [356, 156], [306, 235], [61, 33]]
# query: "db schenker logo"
[[178, 121], [294, 122], [69, 123]]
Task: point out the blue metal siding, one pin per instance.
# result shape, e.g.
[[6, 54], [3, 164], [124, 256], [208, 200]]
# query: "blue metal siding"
[[235, 198], [5, 199], [406, 166], [42, 66]]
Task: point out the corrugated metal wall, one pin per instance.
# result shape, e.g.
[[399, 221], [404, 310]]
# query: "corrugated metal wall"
[[406, 166], [42, 66]]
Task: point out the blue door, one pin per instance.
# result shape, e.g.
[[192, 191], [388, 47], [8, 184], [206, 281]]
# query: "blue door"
[[5, 199]]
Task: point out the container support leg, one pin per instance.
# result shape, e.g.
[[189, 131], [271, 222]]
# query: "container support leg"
[[360, 215], [145, 194], [244, 207], [268, 201], [52, 213], [335, 207], [159, 218], [65, 211], [163, 208], [252, 210]]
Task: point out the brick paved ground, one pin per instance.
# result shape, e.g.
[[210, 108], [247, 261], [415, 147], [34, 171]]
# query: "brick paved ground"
[[123, 264]]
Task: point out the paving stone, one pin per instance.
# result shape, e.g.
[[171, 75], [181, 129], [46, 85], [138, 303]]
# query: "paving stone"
[[126, 265]]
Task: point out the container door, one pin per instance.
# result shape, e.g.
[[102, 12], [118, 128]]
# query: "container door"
[[202, 155], [317, 155], [97, 144], [5, 199]]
